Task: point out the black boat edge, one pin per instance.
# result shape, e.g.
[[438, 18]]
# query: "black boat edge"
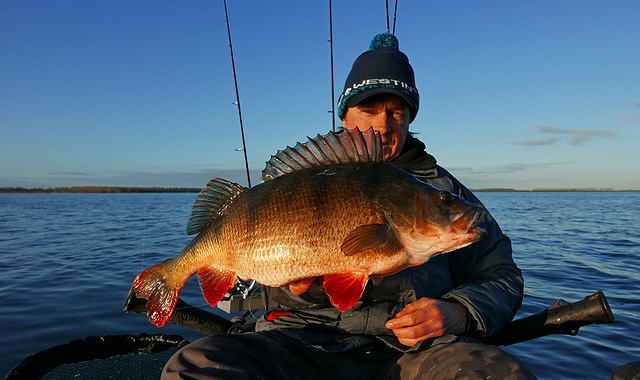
[[143, 356]]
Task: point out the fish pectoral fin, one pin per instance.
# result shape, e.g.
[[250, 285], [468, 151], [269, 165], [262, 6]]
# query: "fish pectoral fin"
[[215, 283], [365, 237], [345, 290]]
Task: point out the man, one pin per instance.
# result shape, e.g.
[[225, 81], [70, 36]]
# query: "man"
[[418, 323]]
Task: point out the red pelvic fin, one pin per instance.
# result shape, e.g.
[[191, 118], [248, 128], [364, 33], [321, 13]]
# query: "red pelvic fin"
[[345, 290], [365, 237], [215, 282], [162, 298]]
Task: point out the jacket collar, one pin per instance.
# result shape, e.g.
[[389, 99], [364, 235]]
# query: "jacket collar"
[[415, 159]]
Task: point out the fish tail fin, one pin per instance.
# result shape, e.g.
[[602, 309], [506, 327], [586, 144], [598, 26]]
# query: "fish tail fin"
[[345, 289], [162, 296], [215, 282]]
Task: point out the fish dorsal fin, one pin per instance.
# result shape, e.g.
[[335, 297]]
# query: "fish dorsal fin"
[[344, 147], [211, 202]]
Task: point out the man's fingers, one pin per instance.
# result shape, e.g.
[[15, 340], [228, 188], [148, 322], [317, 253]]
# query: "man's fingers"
[[416, 305], [301, 286], [413, 334], [412, 314]]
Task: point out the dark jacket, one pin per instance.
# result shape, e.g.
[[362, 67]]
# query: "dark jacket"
[[482, 276]]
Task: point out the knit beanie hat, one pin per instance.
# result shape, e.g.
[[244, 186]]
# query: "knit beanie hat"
[[382, 69]]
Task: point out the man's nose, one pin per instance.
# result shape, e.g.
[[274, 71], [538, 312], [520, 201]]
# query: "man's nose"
[[381, 122]]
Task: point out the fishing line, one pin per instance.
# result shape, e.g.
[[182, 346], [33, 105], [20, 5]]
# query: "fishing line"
[[244, 145], [237, 102], [144, 229], [144, 234]]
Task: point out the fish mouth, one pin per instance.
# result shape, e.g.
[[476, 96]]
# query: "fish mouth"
[[466, 222]]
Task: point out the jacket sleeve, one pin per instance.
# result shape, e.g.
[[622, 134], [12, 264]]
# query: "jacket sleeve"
[[487, 281]]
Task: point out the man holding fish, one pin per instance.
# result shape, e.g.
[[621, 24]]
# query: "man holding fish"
[[415, 320]]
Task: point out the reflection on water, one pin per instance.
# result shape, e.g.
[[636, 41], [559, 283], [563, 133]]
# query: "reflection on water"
[[68, 261]]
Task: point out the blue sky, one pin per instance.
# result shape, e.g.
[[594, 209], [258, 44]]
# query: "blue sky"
[[524, 95]]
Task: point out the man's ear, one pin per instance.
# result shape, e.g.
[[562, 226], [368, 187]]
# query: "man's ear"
[[344, 117]]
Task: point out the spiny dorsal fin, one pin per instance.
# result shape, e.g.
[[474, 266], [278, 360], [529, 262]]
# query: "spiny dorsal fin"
[[344, 147], [211, 201]]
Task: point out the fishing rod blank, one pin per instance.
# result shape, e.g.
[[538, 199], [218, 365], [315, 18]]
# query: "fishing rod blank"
[[237, 102]]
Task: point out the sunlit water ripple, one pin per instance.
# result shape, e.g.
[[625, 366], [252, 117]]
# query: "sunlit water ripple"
[[68, 261]]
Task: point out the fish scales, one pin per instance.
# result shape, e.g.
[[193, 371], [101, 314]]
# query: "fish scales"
[[297, 230], [328, 208]]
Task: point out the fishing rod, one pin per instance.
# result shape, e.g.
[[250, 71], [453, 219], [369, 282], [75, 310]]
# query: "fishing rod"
[[237, 102], [330, 40], [395, 12], [560, 318], [333, 102]]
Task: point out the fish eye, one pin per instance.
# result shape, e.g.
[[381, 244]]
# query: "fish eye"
[[446, 197]]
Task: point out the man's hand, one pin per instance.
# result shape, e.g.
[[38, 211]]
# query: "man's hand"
[[428, 318], [303, 285]]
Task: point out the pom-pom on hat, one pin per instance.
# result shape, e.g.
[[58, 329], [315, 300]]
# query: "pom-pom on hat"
[[382, 69]]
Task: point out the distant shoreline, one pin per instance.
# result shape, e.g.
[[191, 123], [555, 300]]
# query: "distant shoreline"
[[101, 189], [130, 189], [554, 190]]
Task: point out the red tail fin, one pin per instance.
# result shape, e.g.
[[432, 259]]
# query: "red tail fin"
[[215, 282], [162, 298], [344, 290]]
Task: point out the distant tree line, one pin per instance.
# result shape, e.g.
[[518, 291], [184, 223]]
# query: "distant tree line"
[[552, 190], [100, 189]]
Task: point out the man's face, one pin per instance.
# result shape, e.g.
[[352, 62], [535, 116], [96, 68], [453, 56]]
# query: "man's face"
[[387, 114]]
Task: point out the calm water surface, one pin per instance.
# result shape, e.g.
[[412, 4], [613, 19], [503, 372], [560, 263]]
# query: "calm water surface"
[[67, 262]]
